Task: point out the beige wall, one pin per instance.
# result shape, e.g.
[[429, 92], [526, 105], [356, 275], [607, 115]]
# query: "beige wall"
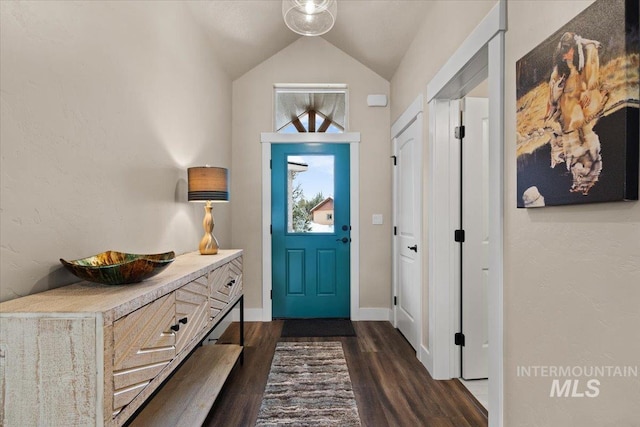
[[447, 24], [571, 273], [571, 280], [103, 107], [313, 60]]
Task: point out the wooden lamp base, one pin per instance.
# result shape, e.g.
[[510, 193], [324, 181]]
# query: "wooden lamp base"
[[208, 244]]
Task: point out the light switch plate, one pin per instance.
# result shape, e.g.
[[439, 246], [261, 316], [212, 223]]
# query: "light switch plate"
[[376, 219]]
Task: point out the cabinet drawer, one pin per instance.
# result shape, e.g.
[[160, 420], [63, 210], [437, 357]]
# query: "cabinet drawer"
[[146, 340], [225, 284], [143, 344], [192, 314]]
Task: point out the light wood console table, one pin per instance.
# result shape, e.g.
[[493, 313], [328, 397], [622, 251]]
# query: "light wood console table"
[[92, 355]]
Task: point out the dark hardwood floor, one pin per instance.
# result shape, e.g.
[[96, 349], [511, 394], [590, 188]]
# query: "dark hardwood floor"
[[391, 386]]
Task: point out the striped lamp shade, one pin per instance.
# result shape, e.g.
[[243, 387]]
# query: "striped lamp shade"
[[208, 184]]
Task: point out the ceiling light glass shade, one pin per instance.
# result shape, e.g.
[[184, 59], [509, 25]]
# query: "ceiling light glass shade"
[[310, 17]]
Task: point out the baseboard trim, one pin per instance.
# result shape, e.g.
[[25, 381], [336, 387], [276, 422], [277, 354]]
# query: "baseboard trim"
[[426, 358], [366, 314]]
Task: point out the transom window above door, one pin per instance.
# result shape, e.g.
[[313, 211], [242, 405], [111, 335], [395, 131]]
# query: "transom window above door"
[[301, 109]]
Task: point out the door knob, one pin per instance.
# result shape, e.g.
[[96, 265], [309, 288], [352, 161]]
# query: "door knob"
[[344, 240], [413, 248]]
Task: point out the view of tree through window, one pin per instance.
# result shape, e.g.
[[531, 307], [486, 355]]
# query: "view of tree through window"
[[310, 198]]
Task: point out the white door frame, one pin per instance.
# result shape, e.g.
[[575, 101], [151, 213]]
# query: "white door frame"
[[480, 56], [353, 139], [411, 114]]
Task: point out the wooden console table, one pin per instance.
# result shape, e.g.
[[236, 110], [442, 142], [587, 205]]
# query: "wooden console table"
[[91, 354]]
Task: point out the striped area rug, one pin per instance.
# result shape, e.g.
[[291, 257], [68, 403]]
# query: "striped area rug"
[[308, 385]]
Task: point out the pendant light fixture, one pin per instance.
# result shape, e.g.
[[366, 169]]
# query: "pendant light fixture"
[[310, 17]]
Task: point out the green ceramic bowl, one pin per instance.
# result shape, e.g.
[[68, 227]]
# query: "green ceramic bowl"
[[118, 268]]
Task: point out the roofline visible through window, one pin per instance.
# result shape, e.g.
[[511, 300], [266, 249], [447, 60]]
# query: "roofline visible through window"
[[313, 88], [319, 114]]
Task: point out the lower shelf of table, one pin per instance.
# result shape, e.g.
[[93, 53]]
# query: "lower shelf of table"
[[187, 398]]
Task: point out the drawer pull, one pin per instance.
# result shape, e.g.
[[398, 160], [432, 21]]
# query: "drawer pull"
[[183, 320], [231, 282], [175, 327]]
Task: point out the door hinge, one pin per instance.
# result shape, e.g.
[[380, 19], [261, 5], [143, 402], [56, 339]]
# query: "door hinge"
[[395, 230], [459, 132], [270, 228], [458, 339], [458, 236], [271, 294], [270, 164], [395, 300], [395, 160]]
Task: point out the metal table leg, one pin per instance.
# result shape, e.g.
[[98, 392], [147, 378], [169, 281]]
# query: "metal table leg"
[[242, 329]]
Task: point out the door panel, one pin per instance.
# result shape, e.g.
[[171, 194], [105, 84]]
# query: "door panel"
[[295, 272], [407, 304], [310, 230], [327, 272], [475, 267], [408, 208]]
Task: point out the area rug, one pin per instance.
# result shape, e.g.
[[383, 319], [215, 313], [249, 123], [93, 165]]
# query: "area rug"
[[308, 385], [318, 328]]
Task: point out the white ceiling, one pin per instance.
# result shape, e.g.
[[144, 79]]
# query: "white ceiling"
[[244, 33]]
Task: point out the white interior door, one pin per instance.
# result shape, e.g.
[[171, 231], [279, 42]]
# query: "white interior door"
[[408, 188], [475, 260]]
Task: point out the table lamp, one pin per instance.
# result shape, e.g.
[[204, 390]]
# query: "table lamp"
[[208, 184]]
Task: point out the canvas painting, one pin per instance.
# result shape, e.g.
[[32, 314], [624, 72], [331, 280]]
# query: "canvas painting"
[[577, 110]]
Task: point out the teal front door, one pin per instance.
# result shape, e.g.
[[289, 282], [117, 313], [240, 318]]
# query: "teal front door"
[[310, 230]]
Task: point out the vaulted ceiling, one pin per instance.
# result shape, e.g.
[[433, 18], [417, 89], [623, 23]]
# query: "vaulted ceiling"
[[244, 33]]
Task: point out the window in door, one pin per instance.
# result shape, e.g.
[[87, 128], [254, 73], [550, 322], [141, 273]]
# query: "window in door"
[[310, 188]]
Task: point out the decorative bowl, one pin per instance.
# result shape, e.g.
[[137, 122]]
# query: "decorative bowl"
[[118, 268]]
